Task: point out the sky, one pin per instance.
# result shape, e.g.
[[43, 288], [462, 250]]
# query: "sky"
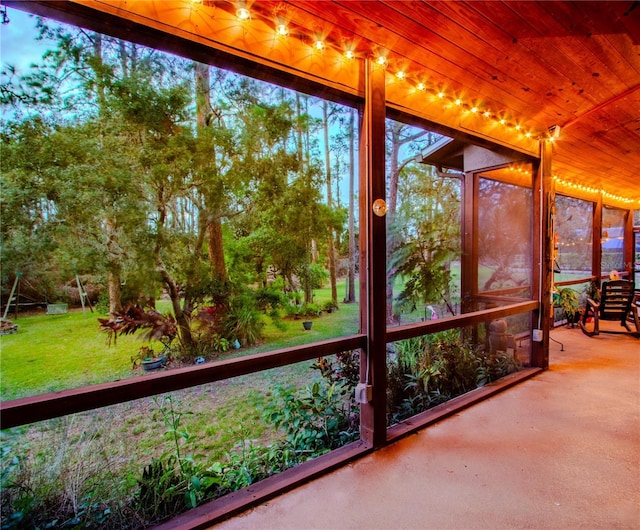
[[18, 44]]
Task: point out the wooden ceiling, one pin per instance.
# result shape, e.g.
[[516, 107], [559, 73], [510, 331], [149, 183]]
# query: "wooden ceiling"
[[505, 71]]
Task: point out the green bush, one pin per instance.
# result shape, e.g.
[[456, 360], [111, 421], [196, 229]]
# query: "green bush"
[[429, 370], [319, 420], [244, 324], [309, 310]]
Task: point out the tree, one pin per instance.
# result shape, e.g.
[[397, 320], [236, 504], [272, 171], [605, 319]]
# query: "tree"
[[428, 225], [399, 136]]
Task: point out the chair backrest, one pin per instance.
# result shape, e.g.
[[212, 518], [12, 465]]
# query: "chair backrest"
[[615, 299]]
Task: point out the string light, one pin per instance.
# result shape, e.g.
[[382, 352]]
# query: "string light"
[[594, 191], [243, 13], [320, 44]]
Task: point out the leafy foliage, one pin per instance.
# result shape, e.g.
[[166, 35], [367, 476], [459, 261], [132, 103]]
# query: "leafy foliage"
[[134, 318], [315, 422], [429, 370], [174, 482], [426, 230]]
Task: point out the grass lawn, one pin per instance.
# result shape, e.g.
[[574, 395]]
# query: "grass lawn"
[[106, 449], [54, 352]]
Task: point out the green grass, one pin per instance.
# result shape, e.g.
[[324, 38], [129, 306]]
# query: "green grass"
[[53, 352]]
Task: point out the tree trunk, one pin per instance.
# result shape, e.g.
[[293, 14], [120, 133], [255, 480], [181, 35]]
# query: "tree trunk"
[[351, 290], [182, 320], [115, 293], [216, 250], [204, 111], [330, 243], [114, 267]]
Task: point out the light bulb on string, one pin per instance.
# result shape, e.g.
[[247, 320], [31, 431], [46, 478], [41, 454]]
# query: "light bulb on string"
[[243, 13]]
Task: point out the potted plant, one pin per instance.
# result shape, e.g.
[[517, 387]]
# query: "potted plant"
[[157, 326], [567, 300], [148, 359]]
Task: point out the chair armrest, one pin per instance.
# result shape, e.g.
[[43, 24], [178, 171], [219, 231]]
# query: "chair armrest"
[[595, 305]]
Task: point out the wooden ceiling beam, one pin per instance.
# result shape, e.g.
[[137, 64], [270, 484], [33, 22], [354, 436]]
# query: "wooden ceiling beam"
[[602, 106]]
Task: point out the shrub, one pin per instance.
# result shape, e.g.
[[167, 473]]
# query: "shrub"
[[330, 305], [319, 420], [268, 298], [252, 463], [174, 482], [244, 324], [428, 370], [344, 367], [309, 310]]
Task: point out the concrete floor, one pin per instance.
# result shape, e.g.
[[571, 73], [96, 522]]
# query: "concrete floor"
[[561, 450]]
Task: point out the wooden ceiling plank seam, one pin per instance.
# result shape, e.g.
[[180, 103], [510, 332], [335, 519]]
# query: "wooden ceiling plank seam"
[[586, 68], [625, 13], [447, 65], [626, 63], [454, 10], [435, 62], [545, 51], [506, 74], [587, 170], [603, 105], [579, 52], [470, 65], [467, 36], [556, 92]]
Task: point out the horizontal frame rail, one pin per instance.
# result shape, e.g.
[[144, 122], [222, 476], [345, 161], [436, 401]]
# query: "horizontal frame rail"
[[577, 281], [410, 331], [55, 404], [503, 292]]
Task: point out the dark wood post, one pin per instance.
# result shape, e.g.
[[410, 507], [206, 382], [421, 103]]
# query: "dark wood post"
[[629, 244], [596, 264], [544, 214], [469, 272], [373, 425]]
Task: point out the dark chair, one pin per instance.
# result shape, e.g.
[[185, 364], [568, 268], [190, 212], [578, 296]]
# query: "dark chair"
[[616, 297]]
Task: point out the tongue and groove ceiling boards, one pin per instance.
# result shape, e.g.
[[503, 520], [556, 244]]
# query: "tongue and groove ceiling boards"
[[503, 71]]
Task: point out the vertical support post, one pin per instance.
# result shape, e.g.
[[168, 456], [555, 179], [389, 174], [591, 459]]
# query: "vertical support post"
[[629, 243], [469, 272], [544, 213], [13, 290], [596, 264], [373, 426]]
